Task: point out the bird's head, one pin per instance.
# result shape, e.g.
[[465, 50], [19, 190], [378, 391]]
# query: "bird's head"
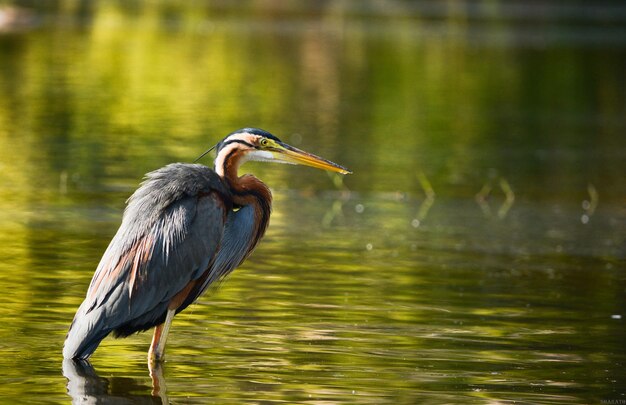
[[253, 144]]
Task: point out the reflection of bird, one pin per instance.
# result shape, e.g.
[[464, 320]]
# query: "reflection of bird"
[[184, 228], [85, 386]]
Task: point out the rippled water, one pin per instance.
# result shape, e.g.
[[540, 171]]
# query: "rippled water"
[[477, 253]]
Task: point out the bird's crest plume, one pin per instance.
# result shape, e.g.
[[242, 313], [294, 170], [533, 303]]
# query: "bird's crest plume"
[[205, 153]]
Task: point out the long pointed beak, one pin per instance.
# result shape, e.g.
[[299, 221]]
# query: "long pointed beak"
[[289, 154]]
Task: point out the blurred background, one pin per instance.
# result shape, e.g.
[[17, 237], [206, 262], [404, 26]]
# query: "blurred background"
[[477, 253]]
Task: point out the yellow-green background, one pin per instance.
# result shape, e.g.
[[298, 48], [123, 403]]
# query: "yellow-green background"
[[401, 283]]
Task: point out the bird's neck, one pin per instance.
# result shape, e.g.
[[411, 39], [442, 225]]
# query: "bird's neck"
[[247, 190]]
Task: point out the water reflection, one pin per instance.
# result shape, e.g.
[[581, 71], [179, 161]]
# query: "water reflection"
[[478, 254], [85, 386]]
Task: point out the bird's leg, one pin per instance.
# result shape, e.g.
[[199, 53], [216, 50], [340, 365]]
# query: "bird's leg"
[[155, 341], [157, 348]]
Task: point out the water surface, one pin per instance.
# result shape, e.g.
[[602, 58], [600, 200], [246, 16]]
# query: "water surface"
[[476, 254]]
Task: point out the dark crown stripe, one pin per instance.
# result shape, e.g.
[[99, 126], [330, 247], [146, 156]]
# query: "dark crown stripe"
[[237, 141]]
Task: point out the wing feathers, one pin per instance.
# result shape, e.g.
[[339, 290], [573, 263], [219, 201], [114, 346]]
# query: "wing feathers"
[[169, 234]]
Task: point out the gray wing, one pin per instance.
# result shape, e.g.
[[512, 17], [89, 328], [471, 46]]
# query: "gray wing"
[[237, 243], [169, 235]]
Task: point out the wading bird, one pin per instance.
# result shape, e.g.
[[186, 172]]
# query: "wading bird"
[[184, 228]]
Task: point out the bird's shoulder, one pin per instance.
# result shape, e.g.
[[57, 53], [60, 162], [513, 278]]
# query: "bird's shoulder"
[[176, 181]]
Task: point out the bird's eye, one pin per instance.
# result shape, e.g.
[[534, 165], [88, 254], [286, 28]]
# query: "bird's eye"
[[264, 142]]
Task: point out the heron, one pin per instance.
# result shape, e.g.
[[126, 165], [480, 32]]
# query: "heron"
[[186, 227]]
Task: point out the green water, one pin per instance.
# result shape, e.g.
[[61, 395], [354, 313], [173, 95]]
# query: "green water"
[[477, 253]]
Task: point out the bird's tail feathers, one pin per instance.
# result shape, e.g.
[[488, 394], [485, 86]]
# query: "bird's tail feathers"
[[85, 334]]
